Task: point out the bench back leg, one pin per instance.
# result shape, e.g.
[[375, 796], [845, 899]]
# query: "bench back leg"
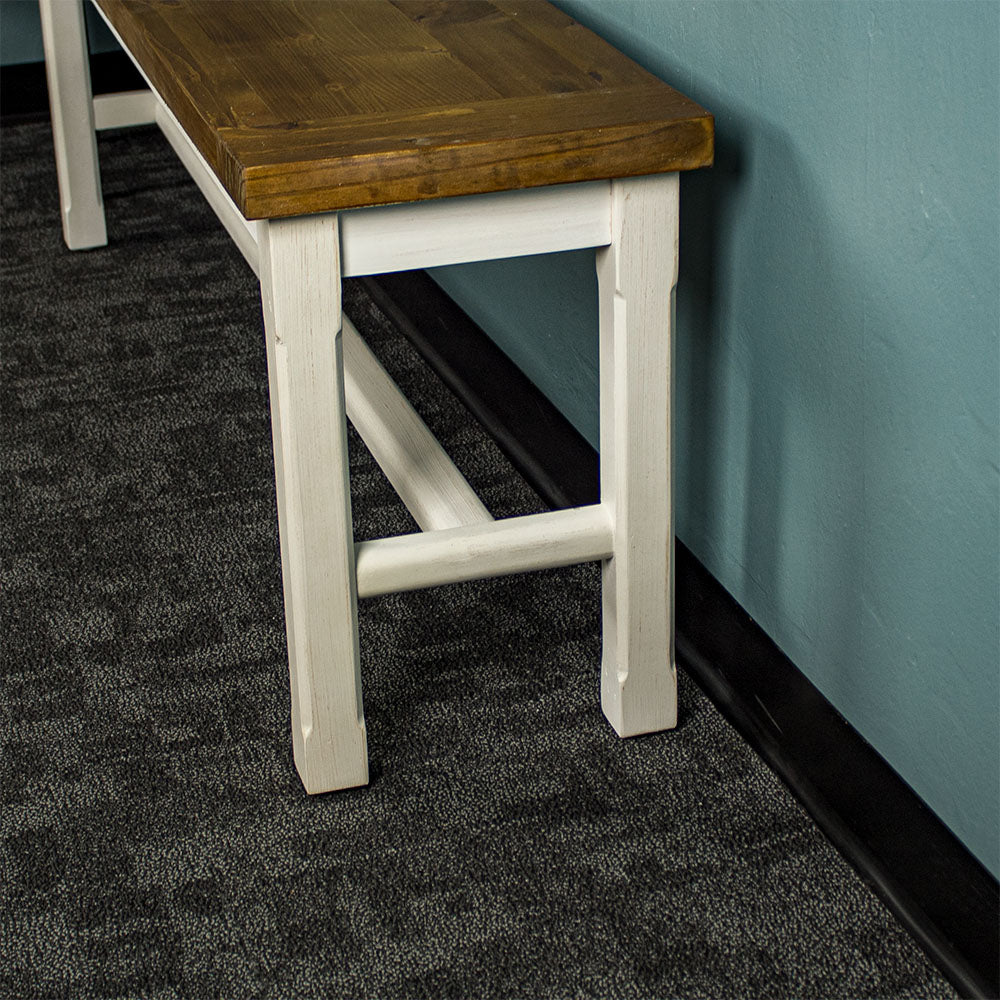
[[67, 69], [636, 277], [300, 289]]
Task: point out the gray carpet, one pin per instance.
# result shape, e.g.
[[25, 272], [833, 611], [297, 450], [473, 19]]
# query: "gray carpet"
[[156, 841]]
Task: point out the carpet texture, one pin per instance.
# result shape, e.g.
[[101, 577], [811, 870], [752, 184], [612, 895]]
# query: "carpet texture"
[[156, 841]]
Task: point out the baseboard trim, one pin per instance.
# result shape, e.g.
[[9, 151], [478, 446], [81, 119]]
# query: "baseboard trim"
[[940, 892]]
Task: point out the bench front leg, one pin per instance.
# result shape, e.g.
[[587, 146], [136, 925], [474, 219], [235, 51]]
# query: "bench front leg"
[[67, 68], [636, 277], [300, 290]]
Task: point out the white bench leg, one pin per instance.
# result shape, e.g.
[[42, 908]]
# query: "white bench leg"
[[300, 289], [67, 68], [636, 277]]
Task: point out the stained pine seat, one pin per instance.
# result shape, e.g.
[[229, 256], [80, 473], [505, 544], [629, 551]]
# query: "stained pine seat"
[[313, 107], [358, 136]]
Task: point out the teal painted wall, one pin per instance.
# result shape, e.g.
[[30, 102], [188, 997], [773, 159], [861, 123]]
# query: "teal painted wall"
[[21, 32], [838, 383], [838, 356]]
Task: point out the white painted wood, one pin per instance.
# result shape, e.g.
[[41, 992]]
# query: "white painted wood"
[[474, 552], [124, 110], [67, 69], [244, 233], [427, 481], [300, 289], [636, 277], [476, 227]]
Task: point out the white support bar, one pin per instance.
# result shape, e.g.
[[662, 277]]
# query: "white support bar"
[[125, 109], [475, 227], [244, 233], [427, 481], [513, 545]]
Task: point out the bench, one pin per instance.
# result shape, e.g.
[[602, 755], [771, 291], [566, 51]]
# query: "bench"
[[367, 136]]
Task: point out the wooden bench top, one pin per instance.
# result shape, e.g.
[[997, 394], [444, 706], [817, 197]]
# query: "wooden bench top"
[[314, 106]]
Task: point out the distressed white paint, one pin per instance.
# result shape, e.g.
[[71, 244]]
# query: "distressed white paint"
[[477, 227], [125, 109], [67, 69], [636, 277], [300, 289], [427, 481], [244, 233], [474, 552]]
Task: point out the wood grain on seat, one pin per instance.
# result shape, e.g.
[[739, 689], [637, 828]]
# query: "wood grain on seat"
[[313, 106]]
